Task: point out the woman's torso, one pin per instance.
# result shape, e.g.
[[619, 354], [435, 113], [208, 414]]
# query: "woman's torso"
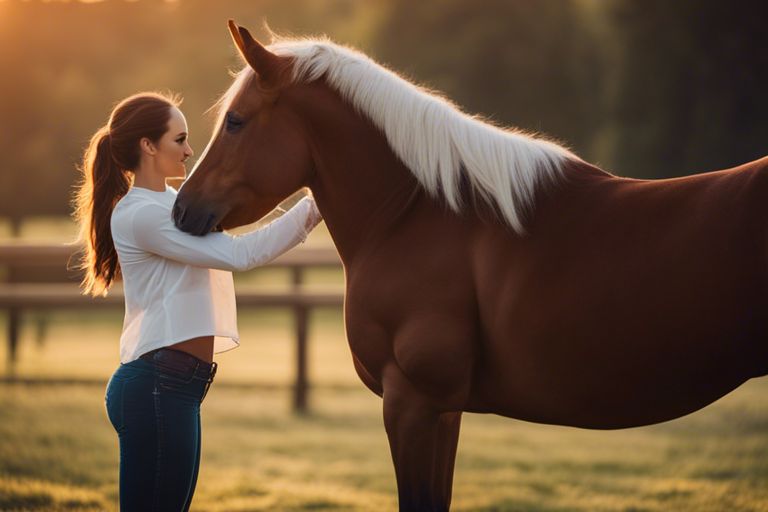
[[168, 302]]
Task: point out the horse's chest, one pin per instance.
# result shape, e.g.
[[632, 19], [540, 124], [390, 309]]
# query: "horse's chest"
[[370, 346], [428, 333], [367, 335]]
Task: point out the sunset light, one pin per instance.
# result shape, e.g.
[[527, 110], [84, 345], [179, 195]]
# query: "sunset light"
[[382, 255]]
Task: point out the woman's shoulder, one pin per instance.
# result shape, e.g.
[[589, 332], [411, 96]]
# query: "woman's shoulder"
[[136, 204], [139, 198]]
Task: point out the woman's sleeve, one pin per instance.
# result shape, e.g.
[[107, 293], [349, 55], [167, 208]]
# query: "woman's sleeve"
[[153, 231]]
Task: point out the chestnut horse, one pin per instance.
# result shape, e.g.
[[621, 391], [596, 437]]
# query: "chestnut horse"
[[488, 270]]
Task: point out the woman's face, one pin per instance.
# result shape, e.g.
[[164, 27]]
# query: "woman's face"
[[173, 148]]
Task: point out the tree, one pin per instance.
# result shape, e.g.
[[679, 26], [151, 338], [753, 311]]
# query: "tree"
[[692, 81]]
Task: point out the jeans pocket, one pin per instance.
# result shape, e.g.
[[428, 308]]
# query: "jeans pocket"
[[176, 383]]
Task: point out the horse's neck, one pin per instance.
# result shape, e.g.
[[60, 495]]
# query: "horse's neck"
[[361, 187], [361, 198]]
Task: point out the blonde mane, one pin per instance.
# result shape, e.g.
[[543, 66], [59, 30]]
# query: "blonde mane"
[[438, 142]]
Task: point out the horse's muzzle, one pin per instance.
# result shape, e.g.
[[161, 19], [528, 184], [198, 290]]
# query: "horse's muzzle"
[[197, 222]]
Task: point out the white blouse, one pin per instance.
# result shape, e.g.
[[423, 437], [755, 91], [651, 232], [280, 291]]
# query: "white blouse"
[[179, 286]]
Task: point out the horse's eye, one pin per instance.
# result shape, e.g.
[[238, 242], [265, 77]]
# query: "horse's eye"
[[232, 122]]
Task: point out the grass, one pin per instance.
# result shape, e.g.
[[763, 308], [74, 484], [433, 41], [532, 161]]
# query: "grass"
[[58, 452]]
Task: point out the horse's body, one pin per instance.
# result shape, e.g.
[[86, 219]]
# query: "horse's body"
[[625, 303], [647, 305]]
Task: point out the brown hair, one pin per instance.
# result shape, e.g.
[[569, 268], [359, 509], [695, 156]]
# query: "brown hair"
[[106, 175]]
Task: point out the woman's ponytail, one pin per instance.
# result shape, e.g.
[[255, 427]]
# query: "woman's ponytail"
[[102, 185], [112, 156]]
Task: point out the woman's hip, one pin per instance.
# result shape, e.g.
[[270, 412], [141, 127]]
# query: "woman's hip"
[[163, 383], [180, 373]]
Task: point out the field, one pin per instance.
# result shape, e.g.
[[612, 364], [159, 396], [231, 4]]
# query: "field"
[[59, 452]]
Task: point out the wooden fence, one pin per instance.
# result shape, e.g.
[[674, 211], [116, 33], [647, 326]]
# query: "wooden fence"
[[37, 278]]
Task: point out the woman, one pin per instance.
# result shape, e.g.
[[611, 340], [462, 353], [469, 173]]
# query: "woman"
[[179, 296]]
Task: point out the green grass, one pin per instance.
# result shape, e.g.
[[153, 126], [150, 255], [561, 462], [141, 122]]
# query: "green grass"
[[58, 452]]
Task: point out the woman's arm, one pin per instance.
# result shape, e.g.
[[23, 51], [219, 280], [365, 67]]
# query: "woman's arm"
[[153, 231]]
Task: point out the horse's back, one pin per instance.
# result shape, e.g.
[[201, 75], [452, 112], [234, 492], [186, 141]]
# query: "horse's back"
[[628, 301]]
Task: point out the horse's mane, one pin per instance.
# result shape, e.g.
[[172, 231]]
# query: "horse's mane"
[[436, 140]]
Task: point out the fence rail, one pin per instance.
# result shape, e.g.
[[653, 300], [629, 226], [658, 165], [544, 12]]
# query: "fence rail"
[[35, 254], [24, 264]]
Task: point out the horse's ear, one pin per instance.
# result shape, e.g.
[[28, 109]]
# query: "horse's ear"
[[265, 63], [236, 37]]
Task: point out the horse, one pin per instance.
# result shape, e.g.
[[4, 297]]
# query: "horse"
[[487, 269]]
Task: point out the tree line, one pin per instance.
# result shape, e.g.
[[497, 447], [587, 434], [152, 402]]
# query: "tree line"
[[648, 89]]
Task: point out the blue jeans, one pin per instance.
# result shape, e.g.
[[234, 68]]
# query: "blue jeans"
[[154, 405]]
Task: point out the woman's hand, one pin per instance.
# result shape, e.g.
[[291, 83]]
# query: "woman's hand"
[[311, 214], [314, 217]]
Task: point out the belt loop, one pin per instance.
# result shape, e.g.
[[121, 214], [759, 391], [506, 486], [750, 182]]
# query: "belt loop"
[[214, 366]]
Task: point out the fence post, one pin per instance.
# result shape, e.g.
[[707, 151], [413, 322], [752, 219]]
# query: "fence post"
[[14, 315], [14, 322], [301, 314]]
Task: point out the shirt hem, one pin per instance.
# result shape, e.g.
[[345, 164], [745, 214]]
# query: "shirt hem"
[[172, 341]]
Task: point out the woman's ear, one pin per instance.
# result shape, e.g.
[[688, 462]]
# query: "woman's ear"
[[147, 147]]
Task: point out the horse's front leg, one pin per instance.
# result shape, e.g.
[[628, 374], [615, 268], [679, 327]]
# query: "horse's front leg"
[[447, 443], [423, 443]]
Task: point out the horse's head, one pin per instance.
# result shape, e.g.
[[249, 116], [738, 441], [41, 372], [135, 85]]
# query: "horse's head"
[[258, 154]]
